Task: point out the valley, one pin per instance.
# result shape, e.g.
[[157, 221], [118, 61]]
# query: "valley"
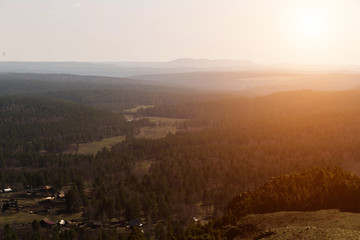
[[179, 120], [173, 160]]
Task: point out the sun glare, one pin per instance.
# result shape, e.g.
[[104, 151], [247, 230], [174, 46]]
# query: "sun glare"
[[312, 24]]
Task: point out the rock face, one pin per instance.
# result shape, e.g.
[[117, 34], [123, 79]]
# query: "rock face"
[[324, 224]]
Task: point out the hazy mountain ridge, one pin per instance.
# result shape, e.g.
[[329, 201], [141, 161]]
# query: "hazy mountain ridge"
[[201, 74], [259, 82], [187, 62], [125, 69]]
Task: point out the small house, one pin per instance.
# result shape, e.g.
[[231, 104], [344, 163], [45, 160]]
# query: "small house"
[[96, 224], [48, 188], [62, 222], [195, 219], [61, 195], [8, 190], [135, 223]]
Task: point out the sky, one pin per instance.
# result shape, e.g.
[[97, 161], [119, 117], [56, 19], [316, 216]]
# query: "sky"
[[264, 31]]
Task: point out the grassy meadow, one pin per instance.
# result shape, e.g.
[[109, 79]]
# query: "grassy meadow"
[[162, 126]]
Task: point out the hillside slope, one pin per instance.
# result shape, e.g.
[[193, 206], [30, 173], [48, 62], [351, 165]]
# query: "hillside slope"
[[259, 214], [323, 224], [315, 189]]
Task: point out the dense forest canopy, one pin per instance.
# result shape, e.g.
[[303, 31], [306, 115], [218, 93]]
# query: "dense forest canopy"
[[33, 124], [309, 190]]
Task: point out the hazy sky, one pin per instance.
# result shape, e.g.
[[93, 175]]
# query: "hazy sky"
[[264, 31]]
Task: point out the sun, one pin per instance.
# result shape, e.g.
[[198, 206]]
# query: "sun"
[[312, 23]]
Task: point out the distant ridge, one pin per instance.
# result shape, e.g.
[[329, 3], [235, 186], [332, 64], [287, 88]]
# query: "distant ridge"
[[203, 62], [125, 69]]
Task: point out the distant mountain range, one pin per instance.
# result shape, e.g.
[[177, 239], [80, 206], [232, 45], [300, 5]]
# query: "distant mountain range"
[[126, 69], [188, 63], [258, 82], [199, 74]]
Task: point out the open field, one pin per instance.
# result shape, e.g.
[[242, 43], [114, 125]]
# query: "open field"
[[155, 132], [166, 120], [162, 127], [24, 217], [135, 109], [94, 147], [324, 224]]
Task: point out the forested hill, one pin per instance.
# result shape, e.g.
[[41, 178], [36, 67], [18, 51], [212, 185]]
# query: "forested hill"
[[308, 190], [23, 83], [315, 189], [30, 124], [110, 93], [236, 111]]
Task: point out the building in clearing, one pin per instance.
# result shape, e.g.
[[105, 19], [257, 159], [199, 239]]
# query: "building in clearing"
[[135, 223], [7, 190]]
